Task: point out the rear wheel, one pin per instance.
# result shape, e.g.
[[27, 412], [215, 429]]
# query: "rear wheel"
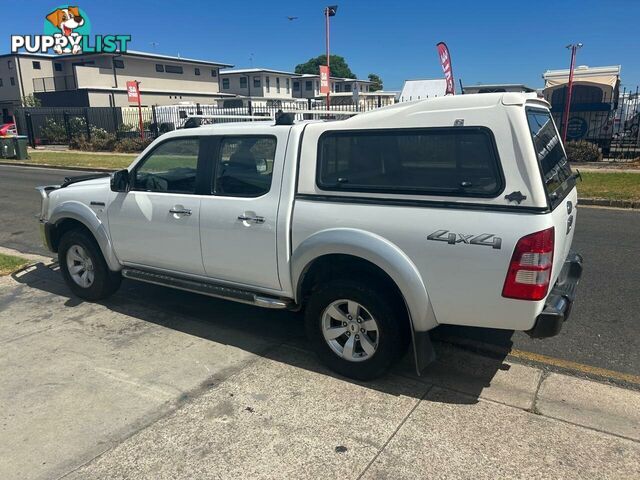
[[356, 330], [83, 267]]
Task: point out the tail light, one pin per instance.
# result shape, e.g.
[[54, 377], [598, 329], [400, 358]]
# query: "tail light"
[[529, 271]]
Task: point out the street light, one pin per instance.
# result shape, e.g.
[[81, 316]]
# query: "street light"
[[329, 12], [565, 119]]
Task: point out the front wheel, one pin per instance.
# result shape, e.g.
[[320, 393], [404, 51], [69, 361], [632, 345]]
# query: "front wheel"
[[357, 331], [84, 268]]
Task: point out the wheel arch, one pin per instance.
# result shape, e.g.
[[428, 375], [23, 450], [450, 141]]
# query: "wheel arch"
[[375, 250], [69, 215]]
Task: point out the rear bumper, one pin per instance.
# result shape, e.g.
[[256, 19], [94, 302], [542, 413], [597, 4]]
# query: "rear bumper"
[[560, 300]]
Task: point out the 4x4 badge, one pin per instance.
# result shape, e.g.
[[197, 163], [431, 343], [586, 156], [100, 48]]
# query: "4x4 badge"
[[486, 239]]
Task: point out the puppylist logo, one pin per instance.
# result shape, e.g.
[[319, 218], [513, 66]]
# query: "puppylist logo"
[[67, 30]]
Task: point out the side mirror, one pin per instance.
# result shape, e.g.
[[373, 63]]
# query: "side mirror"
[[120, 181]]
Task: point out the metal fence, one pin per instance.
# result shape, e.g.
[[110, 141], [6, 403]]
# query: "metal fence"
[[59, 125], [608, 121]]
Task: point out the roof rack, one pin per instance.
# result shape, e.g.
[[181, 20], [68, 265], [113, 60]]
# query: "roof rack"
[[244, 117]]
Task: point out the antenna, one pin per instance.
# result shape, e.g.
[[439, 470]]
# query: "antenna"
[[251, 59]]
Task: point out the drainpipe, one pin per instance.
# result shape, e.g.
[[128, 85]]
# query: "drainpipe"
[[19, 70], [115, 78]]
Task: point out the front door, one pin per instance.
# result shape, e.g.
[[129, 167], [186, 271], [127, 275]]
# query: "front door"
[[238, 221], [156, 223]]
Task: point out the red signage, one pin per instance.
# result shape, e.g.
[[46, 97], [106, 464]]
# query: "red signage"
[[445, 61], [133, 93], [324, 79]]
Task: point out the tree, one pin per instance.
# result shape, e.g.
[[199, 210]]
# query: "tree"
[[376, 82], [31, 101], [339, 67]]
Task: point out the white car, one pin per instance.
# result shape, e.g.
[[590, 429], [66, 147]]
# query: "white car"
[[455, 210]]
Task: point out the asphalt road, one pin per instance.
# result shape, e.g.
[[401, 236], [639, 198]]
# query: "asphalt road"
[[604, 328]]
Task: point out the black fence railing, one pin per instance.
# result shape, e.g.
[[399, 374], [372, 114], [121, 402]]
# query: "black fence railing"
[[59, 125], [607, 120], [611, 123]]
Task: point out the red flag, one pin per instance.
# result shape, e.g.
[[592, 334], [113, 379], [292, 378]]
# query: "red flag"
[[445, 61], [324, 79], [133, 93]]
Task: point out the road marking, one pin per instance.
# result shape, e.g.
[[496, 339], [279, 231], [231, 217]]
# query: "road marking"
[[575, 366], [540, 359]]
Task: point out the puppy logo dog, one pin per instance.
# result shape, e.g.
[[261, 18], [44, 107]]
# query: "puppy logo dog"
[[67, 20]]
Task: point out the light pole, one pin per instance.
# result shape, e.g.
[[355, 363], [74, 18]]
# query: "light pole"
[[329, 12], [567, 105]]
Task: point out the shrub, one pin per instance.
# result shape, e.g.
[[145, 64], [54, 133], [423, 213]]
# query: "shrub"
[[101, 141], [132, 145], [582, 152]]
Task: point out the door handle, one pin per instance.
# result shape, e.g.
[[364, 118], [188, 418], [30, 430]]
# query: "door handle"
[[247, 218], [181, 211]]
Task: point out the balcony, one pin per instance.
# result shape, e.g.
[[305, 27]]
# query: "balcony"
[[54, 84]]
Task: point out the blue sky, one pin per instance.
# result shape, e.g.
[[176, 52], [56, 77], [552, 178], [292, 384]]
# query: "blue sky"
[[490, 42]]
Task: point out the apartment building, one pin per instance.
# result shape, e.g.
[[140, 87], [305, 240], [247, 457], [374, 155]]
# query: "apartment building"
[[99, 80], [257, 82]]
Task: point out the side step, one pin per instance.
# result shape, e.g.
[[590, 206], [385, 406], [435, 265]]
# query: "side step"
[[211, 289]]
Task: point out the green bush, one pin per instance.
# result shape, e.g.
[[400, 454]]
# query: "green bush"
[[582, 152], [132, 145], [101, 141]]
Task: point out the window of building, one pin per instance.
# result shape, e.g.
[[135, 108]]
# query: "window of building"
[[243, 82], [57, 67], [278, 84], [267, 83], [245, 166], [336, 87], [225, 83], [460, 161], [196, 71], [317, 85], [296, 86], [159, 67], [214, 72], [288, 85], [1, 82], [347, 87], [10, 64], [169, 168], [12, 81], [36, 65], [308, 85], [256, 82], [118, 63], [173, 69]]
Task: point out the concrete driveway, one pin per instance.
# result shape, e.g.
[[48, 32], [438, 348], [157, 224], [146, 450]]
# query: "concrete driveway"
[[156, 383]]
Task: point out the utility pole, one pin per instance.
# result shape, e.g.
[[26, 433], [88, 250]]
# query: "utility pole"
[[567, 105]]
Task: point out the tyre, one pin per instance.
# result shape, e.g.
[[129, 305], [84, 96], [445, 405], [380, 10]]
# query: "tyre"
[[83, 267], [356, 330]]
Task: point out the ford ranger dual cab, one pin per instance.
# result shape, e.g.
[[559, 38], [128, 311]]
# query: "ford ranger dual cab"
[[458, 210]]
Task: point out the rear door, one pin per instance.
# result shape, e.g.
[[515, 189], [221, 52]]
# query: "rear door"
[[238, 219], [558, 180]]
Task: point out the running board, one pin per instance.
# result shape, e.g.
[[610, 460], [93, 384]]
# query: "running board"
[[210, 289]]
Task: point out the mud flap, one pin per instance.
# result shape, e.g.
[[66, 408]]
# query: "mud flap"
[[423, 351]]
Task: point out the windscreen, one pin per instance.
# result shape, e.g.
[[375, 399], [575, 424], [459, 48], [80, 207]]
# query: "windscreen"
[[556, 172]]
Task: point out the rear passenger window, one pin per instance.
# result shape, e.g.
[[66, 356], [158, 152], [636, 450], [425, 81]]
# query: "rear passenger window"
[[452, 161], [169, 168], [245, 166]]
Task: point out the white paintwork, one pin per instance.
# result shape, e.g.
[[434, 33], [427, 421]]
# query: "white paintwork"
[[441, 283]]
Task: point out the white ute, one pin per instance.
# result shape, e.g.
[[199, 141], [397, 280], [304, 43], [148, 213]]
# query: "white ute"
[[456, 210]]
